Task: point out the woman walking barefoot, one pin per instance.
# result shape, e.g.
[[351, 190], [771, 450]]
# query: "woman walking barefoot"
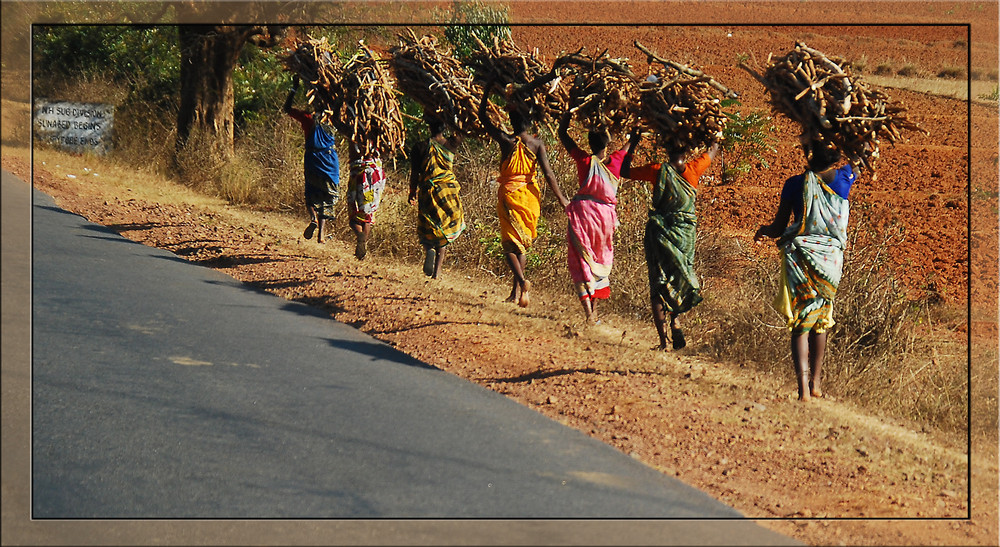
[[593, 217], [440, 219], [518, 195], [812, 249], [321, 167]]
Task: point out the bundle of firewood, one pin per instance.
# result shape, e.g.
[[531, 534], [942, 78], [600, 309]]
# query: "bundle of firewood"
[[370, 107], [604, 94], [439, 82], [681, 105], [832, 105], [527, 85], [316, 62]]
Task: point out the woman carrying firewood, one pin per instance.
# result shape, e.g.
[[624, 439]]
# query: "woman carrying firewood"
[[593, 216], [321, 167], [440, 219], [518, 195], [364, 194], [365, 185], [670, 235], [813, 256]]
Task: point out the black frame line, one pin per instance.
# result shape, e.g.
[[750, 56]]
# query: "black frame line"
[[969, 263]]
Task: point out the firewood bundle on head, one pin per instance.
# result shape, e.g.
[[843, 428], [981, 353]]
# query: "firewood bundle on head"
[[370, 106], [681, 105], [604, 94], [527, 85], [832, 105], [315, 62], [440, 83]]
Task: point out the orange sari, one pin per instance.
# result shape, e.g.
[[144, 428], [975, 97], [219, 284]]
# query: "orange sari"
[[519, 198]]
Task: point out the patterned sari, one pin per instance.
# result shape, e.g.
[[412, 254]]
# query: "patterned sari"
[[364, 188], [440, 219], [592, 223], [813, 258], [518, 198], [669, 242]]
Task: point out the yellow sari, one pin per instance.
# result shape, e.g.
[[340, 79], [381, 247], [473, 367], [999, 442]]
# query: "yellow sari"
[[518, 198], [441, 218]]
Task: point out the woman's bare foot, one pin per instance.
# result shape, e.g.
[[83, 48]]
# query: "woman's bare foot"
[[513, 294], [804, 390], [525, 299], [814, 388]]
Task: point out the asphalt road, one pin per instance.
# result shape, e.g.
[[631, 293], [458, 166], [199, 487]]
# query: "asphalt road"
[[165, 390]]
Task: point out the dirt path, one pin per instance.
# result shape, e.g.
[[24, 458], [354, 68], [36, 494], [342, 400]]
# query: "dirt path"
[[817, 472]]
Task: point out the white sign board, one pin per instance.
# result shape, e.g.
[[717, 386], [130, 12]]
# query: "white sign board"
[[75, 127]]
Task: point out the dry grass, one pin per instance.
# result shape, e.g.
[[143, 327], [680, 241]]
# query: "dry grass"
[[952, 72], [902, 358], [958, 89], [16, 128]]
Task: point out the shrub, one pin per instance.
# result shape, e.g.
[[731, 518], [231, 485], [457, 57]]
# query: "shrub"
[[952, 72], [747, 140], [860, 64], [884, 68], [260, 86], [471, 19], [145, 60], [908, 70]]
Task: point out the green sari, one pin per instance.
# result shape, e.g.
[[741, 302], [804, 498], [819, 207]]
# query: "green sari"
[[669, 242], [813, 258]]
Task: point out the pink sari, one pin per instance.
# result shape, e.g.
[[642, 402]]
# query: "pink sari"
[[593, 219]]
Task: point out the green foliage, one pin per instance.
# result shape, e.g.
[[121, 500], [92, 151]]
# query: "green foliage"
[[259, 85], [475, 18], [747, 141], [146, 58], [991, 96], [490, 240], [543, 255]]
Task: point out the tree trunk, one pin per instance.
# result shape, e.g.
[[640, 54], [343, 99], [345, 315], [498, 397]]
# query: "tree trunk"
[[205, 118]]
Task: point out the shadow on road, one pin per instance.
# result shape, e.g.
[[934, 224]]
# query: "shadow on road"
[[379, 351]]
